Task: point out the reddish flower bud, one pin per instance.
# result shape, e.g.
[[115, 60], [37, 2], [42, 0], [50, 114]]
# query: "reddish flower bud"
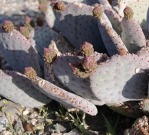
[[8, 26]]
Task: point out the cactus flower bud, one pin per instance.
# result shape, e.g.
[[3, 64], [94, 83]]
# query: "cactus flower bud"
[[8, 26], [128, 13], [98, 10], [60, 6], [77, 70], [30, 73], [49, 55], [87, 49], [89, 64], [29, 23]]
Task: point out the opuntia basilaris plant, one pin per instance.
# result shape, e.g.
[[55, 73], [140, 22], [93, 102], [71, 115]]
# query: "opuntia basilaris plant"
[[80, 55]]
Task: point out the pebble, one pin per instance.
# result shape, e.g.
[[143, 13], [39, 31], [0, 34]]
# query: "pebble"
[[18, 125], [6, 133], [3, 122], [73, 132], [26, 111], [11, 110]]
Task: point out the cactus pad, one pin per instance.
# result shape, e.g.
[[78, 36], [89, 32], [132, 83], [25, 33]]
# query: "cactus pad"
[[17, 88], [111, 39], [17, 51], [41, 39], [61, 95], [77, 24], [132, 34], [76, 84], [124, 80]]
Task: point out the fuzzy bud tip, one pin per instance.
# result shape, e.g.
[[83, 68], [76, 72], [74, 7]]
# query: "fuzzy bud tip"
[[87, 49], [97, 11], [7, 26], [29, 22], [49, 55], [128, 13], [30, 73], [59, 6], [89, 64]]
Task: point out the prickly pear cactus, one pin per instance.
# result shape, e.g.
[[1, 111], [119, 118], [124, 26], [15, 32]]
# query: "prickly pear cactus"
[[111, 39], [76, 23], [16, 49], [59, 94], [132, 34], [117, 81], [133, 84], [76, 84], [140, 8], [42, 37], [17, 88]]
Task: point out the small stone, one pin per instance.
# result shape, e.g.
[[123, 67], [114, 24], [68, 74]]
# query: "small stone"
[[11, 110], [33, 115], [3, 122], [6, 133], [26, 111], [59, 127], [73, 132], [19, 126], [34, 121], [56, 134], [90, 132]]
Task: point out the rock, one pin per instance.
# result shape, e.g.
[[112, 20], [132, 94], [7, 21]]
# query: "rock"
[[59, 127], [19, 126], [140, 127], [73, 132], [10, 110], [3, 122], [90, 132], [6, 133]]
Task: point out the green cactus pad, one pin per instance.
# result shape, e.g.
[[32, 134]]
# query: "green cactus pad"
[[119, 80]]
